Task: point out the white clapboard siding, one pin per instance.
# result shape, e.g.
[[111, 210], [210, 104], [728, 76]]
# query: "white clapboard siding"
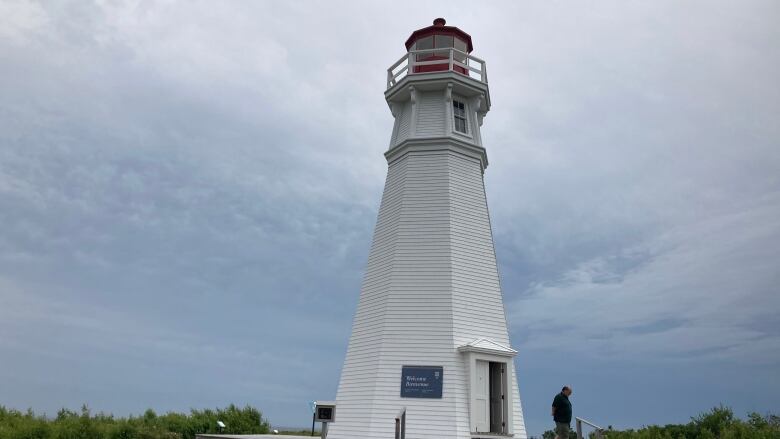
[[403, 123], [430, 114], [363, 355], [431, 285]]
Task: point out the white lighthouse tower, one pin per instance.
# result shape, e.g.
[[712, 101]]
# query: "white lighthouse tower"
[[429, 355]]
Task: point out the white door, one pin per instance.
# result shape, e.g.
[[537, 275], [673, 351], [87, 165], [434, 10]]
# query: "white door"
[[481, 398]]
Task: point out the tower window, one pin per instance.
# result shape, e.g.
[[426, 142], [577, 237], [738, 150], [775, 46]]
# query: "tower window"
[[459, 113]]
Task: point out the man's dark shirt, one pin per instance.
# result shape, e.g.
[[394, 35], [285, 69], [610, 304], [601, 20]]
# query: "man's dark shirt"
[[562, 408]]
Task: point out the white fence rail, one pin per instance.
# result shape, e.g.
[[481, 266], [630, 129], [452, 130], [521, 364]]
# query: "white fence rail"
[[454, 58], [597, 430]]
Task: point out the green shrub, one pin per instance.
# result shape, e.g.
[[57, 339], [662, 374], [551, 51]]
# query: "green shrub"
[[718, 422], [68, 424]]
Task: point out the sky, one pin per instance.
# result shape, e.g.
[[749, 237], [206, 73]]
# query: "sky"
[[188, 191]]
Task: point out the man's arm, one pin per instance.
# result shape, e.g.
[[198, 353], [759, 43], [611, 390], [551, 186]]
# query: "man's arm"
[[553, 411]]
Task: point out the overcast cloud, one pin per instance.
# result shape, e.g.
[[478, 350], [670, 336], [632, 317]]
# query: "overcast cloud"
[[188, 192]]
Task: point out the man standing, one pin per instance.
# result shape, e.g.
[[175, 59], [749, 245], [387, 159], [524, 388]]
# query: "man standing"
[[561, 412]]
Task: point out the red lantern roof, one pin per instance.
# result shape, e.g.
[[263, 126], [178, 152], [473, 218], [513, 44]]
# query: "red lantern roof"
[[439, 28]]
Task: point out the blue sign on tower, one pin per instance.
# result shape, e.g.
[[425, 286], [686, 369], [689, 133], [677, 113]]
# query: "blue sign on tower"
[[421, 381]]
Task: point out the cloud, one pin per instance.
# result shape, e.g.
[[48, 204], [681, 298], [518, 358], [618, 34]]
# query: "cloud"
[[695, 293]]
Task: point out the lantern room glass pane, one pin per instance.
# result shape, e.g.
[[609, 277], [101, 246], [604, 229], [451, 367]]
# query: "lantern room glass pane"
[[460, 45], [443, 41], [424, 43]]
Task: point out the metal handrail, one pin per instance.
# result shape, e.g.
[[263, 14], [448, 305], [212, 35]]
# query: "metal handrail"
[[399, 70], [400, 424], [581, 421]]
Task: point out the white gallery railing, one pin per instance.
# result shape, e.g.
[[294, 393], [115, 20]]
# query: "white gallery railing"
[[446, 57]]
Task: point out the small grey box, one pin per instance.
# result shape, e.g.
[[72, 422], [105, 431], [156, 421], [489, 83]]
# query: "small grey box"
[[325, 412]]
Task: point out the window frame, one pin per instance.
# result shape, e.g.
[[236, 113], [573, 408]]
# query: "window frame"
[[464, 117]]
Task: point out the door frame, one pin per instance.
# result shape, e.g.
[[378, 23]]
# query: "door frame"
[[471, 356]]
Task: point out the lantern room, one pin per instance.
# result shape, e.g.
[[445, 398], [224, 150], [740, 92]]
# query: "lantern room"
[[439, 43], [436, 51]]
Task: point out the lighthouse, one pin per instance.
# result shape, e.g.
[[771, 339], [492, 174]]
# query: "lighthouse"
[[429, 355]]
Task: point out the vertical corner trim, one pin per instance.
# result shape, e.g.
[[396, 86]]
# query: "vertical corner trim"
[[448, 110], [413, 121]]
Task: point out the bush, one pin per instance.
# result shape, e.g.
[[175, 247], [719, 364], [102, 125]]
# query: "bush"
[[74, 425], [719, 423]]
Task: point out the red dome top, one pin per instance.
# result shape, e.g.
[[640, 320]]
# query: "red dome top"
[[439, 28]]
